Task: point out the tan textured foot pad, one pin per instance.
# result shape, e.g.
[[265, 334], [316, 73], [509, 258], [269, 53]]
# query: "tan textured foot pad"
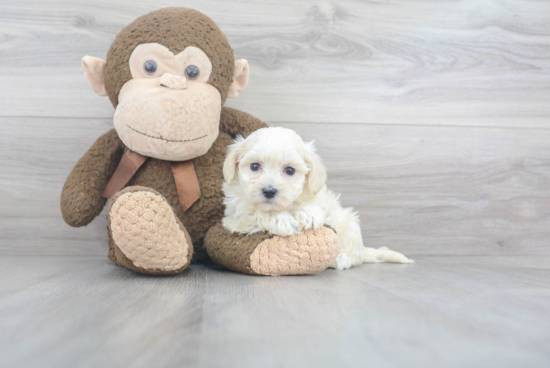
[[145, 229], [306, 253], [265, 254]]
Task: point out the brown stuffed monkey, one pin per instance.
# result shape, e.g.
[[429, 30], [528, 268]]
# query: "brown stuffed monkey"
[[168, 75]]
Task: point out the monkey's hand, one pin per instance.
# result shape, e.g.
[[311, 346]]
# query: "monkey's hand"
[[266, 254], [81, 199]]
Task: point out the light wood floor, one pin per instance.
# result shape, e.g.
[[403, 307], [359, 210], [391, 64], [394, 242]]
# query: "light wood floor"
[[468, 311], [433, 119]]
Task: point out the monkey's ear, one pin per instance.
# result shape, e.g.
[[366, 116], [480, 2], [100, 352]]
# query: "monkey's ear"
[[240, 78], [94, 68], [234, 152]]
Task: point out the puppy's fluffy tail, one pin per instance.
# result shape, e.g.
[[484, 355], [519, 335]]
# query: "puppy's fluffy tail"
[[383, 254], [352, 251]]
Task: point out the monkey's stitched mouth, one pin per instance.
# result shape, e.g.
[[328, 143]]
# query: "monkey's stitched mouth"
[[167, 140]]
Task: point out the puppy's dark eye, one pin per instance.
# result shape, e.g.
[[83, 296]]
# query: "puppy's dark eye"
[[150, 67], [255, 167], [290, 171], [192, 72]]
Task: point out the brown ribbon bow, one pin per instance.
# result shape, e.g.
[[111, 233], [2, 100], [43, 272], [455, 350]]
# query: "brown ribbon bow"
[[187, 183]]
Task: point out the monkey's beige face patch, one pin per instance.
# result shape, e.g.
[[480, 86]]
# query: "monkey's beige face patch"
[[168, 110]]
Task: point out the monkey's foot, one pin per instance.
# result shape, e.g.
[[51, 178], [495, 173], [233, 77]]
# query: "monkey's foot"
[[145, 234], [265, 254]]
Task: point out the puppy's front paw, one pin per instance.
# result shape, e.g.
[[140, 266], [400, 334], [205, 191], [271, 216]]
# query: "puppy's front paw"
[[310, 217], [284, 224]]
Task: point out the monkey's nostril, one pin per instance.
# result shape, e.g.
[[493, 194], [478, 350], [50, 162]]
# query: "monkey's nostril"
[[269, 192], [173, 86]]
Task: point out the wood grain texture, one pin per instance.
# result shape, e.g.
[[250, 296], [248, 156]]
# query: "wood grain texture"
[[433, 119], [446, 190], [421, 190], [439, 312], [466, 62]]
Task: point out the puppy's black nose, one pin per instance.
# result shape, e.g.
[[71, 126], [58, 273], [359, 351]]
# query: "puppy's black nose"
[[269, 192]]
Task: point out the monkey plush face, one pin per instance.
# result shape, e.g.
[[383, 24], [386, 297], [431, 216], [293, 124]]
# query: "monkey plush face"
[[168, 110], [168, 74]]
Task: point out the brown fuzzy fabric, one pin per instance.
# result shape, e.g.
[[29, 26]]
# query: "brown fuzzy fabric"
[[235, 122], [81, 199], [232, 250], [119, 258], [265, 254], [175, 28]]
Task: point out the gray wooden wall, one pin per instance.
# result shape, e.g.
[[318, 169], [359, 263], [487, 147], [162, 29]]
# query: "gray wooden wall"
[[433, 117]]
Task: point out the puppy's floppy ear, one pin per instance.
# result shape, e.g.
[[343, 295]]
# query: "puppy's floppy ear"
[[317, 175], [234, 153]]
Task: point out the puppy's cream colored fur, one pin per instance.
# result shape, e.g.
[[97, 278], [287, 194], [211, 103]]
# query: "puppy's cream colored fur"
[[275, 182]]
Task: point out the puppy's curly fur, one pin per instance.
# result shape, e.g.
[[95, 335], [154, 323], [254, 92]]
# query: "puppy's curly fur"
[[275, 182]]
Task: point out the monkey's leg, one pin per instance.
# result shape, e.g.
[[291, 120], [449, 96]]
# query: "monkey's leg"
[[145, 234], [264, 254]]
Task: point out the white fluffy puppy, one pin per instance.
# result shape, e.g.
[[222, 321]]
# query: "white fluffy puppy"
[[275, 182]]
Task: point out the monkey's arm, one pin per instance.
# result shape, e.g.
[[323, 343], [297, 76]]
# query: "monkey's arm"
[[81, 199], [265, 254], [236, 122]]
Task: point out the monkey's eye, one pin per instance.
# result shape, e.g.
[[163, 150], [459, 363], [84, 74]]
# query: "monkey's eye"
[[192, 72], [290, 170], [255, 167], [150, 67]]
